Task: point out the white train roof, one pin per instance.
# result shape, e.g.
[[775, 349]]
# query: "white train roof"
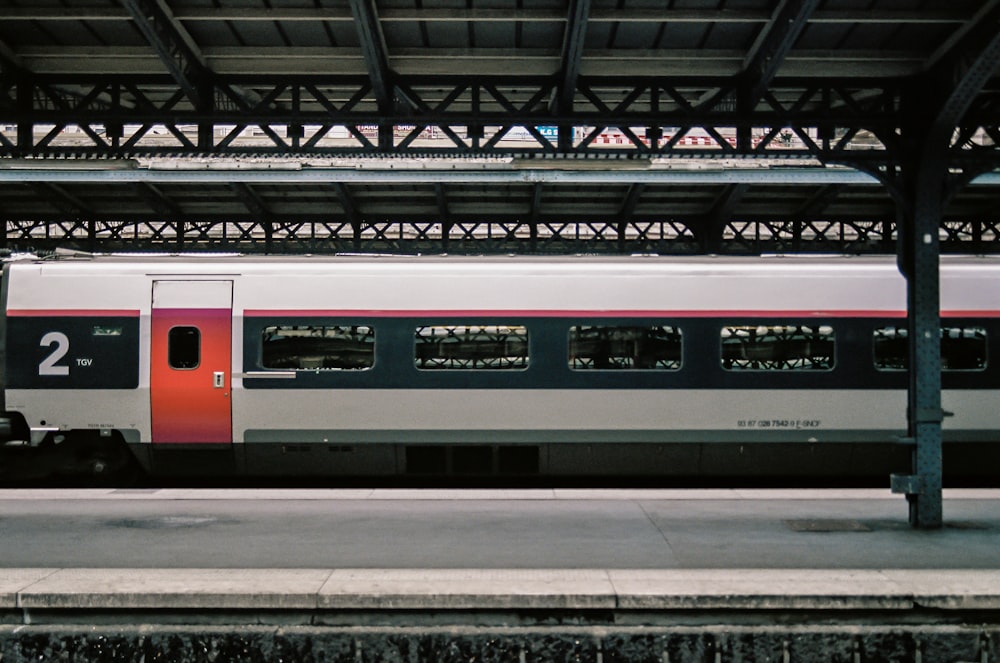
[[367, 285]]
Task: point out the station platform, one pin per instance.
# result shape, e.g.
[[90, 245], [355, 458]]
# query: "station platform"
[[519, 575]]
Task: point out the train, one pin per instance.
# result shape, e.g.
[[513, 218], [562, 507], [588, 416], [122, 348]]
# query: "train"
[[485, 367]]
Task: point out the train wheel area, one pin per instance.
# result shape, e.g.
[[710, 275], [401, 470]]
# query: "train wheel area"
[[94, 459], [83, 458]]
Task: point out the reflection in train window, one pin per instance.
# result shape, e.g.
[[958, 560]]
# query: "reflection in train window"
[[962, 349], [184, 347], [777, 348], [465, 347], [319, 347], [633, 347]]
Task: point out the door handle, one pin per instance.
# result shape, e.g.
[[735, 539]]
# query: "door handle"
[[219, 379]]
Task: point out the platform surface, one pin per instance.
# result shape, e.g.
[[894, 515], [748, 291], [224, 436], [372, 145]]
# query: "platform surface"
[[472, 549]]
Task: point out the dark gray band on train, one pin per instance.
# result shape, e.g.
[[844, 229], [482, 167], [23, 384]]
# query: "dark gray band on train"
[[701, 363]]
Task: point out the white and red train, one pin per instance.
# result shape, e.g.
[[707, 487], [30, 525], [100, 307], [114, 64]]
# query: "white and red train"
[[509, 366]]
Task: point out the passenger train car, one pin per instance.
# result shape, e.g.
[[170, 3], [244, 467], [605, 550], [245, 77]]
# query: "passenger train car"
[[488, 366]]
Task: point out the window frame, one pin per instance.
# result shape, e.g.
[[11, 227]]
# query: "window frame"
[[792, 327], [670, 329], [451, 326], [172, 345], [902, 334], [277, 327]]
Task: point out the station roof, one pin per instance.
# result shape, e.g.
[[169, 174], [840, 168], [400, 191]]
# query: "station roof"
[[468, 206], [610, 87], [837, 39]]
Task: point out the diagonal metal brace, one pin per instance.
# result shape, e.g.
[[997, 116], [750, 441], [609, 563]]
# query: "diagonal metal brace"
[[175, 47]]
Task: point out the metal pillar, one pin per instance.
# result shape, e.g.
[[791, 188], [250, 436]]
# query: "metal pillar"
[[928, 128], [919, 261]]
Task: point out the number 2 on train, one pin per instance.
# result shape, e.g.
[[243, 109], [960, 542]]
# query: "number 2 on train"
[[49, 365]]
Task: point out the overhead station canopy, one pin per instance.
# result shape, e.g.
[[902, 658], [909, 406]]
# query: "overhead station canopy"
[[587, 120], [546, 77], [465, 206]]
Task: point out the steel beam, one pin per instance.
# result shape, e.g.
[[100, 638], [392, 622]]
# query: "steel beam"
[[67, 203], [511, 172], [714, 222], [10, 63], [258, 211], [569, 70], [548, 231], [335, 115], [772, 46], [154, 197], [176, 49], [626, 212], [376, 57]]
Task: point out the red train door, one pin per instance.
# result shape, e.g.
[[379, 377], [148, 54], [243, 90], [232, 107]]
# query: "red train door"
[[191, 361]]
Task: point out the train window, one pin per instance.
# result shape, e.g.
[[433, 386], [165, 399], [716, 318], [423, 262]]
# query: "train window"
[[475, 347], [103, 330], [184, 347], [962, 349], [318, 347], [632, 347], [777, 348]]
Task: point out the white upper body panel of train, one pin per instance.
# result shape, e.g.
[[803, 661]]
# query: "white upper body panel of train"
[[810, 284]]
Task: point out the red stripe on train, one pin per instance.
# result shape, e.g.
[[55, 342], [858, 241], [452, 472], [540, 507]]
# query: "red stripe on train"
[[73, 313], [522, 313], [552, 313]]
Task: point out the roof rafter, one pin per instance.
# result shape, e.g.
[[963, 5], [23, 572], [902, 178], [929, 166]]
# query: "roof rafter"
[[9, 60], [157, 200], [772, 46], [819, 201], [631, 201], [536, 203], [442, 202], [713, 222], [62, 199], [346, 201], [174, 46], [969, 59], [374, 49], [251, 199], [455, 15], [572, 52]]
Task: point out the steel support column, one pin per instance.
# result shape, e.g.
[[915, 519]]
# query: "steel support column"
[[919, 261], [927, 139]]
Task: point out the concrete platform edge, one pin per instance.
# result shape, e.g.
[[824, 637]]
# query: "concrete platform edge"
[[498, 589]]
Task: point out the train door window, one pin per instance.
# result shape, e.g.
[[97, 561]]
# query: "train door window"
[[318, 347], [778, 348], [471, 347], [630, 347], [184, 347], [962, 349]]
